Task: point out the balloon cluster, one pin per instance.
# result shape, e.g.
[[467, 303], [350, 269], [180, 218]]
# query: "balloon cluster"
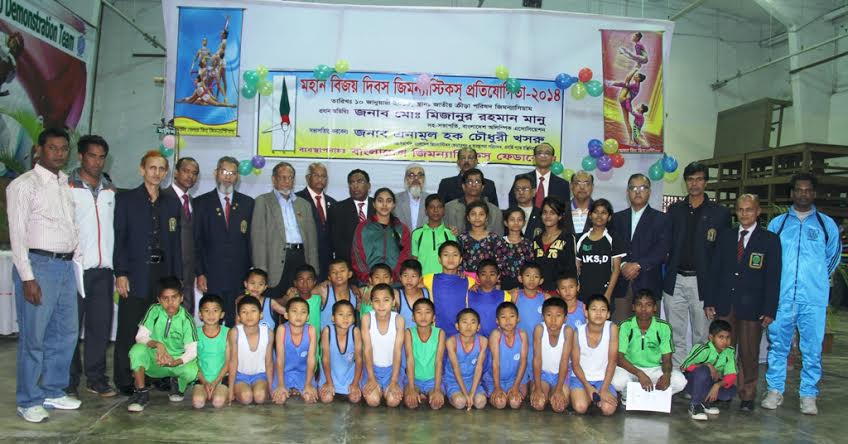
[[169, 143], [580, 85], [603, 155], [323, 72], [512, 84], [666, 168], [253, 165], [256, 81]]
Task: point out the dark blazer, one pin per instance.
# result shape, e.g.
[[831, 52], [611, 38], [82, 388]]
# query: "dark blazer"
[[568, 223], [222, 252], [450, 188], [186, 249], [649, 247], [534, 224], [344, 217], [325, 245], [713, 220], [132, 238], [557, 187], [749, 291]]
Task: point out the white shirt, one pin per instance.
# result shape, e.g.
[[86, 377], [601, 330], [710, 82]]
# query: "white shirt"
[[180, 194], [748, 235], [578, 217], [312, 194], [364, 205], [41, 216], [527, 212], [547, 183], [221, 197], [289, 217], [414, 205], [634, 219]]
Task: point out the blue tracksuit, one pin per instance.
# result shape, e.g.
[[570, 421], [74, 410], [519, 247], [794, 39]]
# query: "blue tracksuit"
[[808, 261]]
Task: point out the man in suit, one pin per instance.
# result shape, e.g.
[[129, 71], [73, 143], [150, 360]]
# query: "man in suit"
[[450, 188], [582, 185], [222, 221], [284, 235], [347, 214], [455, 210], [316, 183], [643, 232], [147, 247], [547, 184], [696, 222], [409, 204], [743, 288], [185, 176], [523, 190]]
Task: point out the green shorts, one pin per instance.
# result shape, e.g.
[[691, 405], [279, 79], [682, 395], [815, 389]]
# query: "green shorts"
[[142, 356]]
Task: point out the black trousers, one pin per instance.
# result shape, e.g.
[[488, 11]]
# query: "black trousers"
[[95, 315], [294, 259], [131, 311]]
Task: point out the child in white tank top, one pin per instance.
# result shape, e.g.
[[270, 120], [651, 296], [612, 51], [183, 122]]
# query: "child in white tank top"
[[593, 360]]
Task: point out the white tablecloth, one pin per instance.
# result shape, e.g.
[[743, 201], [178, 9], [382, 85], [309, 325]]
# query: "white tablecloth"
[[8, 318]]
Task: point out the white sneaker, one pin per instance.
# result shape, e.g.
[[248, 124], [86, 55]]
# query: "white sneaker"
[[772, 400], [697, 413], [35, 413], [808, 406], [711, 409], [62, 403]]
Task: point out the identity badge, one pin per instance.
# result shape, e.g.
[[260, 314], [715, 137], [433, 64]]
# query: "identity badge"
[[756, 261], [711, 235], [243, 227], [172, 224]]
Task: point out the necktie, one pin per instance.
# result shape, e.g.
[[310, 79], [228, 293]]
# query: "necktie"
[[540, 193], [186, 208], [321, 216], [227, 209], [740, 246], [361, 214]]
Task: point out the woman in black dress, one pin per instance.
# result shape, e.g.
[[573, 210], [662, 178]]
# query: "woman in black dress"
[[554, 249]]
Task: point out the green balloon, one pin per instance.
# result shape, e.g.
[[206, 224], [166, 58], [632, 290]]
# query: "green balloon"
[[245, 167], [557, 168], [578, 91], [513, 85], [265, 88], [656, 172], [250, 78], [248, 91], [567, 173], [589, 163], [594, 88]]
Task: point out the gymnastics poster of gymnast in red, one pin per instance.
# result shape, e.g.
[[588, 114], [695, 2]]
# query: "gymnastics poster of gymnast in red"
[[633, 92]]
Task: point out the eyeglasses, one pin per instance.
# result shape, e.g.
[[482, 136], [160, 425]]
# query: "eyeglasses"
[[415, 175], [522, 189], [473, 182], [317, 176], [227, 173], [582, 183], [639, 189]]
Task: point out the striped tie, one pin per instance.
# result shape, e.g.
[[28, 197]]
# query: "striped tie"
[[740, 246]]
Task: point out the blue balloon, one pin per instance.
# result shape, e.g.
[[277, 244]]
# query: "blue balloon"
[[596, 151], [563, 81], [669, 164], [596, 143]]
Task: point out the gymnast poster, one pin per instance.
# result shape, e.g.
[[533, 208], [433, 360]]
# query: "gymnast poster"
[[207, 77], [633, 92]]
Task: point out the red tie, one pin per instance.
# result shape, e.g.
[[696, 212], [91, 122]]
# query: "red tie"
[[540, 192], [361, 214], [227, 209], [321, 215], [740, 247], [186, 208]]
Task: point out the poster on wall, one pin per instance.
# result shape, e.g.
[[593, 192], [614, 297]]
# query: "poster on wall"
[[390, 116], [207, 76], [633, 93], [45, 53]]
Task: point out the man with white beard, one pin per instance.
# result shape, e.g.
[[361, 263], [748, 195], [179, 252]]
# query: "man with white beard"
[[409, 204], [222, 222]]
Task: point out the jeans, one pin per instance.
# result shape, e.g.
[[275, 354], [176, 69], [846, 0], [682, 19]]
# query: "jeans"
[[48, 332]]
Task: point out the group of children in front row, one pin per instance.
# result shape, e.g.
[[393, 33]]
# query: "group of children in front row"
[[445, 337]]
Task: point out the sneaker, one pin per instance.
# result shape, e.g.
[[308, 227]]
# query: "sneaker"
[[808, 405], [746, 406], [35, 413], [139, 400], [697, 413], [175, 395], [710, 409], [72, 391], [62, 403], [772, 400], [101, 388]]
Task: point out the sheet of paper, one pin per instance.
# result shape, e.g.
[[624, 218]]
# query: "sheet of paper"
[[653, 401], [78, 275]]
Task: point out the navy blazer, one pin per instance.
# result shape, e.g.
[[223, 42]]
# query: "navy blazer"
[[132, 238], [534, 225], [714, 219], [557, 187], [450, 188], [649, 247], [344, 218], [222, 251], [751, 288], [325, 244]]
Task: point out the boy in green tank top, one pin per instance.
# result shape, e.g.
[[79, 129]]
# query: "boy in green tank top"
[[425, 351], [212, 354]]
